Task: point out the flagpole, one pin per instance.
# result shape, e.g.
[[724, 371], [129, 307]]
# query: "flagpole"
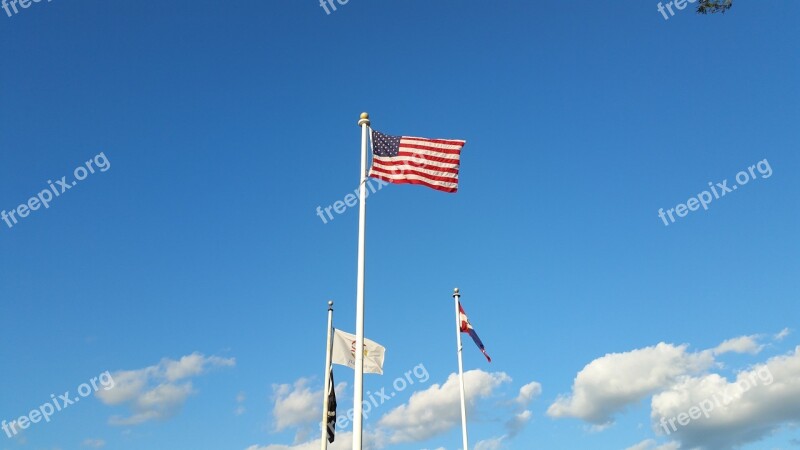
[[358, 382], [324, 443], [457, 297]]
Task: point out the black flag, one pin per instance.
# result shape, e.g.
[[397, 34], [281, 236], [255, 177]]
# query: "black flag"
[[331, 410]]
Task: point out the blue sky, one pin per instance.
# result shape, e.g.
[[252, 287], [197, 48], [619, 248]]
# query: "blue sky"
[[195, 271]]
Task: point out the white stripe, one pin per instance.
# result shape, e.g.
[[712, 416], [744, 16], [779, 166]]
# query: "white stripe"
[[464, 319]]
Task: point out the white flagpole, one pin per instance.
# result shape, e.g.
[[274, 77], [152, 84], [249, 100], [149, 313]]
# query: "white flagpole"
[[457, 296], [324, 444], [358, 382]]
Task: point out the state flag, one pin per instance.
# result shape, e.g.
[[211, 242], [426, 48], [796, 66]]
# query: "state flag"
[[344, 352]]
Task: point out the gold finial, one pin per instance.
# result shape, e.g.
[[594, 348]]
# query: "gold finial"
[[364, 119], [365, 115]]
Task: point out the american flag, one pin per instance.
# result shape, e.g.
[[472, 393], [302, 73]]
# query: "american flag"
[[415, 160]]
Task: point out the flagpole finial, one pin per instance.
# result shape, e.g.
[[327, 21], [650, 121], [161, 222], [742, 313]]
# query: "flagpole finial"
[[364, 119], [330, 305], [456, 293]]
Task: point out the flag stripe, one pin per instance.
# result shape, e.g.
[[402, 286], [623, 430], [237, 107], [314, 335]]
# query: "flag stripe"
[[394, 175], [405, 145], [428, 151], [451, 142], [403, 168], [416, 162], [389, 178], [437, 186], [428, 156], [400, 166]]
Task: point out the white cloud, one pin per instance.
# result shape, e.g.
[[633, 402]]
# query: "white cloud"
[[161, 402], [527, 393], [428, 413], [490, 444], [295, 405], [192, 365], [644, 445], [94, 443], [783, 334], [518, 422], [609, 384], [437, 409], [240, 409], [157, 392], [343, 441], [742, 344], [753, 406], [650, 444]]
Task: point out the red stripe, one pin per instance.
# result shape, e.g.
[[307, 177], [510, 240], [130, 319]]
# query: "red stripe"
[[414, 172], [421, 171], [428, 157], [420, 182], [438, 141], [425, 147], [420, 165]]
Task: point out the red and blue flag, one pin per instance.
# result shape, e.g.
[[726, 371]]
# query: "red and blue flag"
[[466, 327]]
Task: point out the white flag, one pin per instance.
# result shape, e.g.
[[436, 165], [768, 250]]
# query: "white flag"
[[344, 352]]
